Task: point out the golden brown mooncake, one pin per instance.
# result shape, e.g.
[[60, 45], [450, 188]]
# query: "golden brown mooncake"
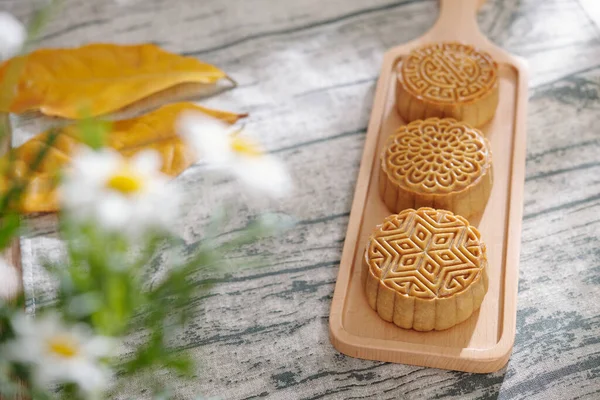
[[425, 269], [447, 80], [439, 163]]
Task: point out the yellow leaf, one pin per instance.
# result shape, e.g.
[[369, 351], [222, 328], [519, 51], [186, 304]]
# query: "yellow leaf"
[[155, 130], [98, 79]]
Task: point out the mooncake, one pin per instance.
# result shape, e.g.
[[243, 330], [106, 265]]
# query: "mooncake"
[[439, 163], [447, 80], [425, 269]]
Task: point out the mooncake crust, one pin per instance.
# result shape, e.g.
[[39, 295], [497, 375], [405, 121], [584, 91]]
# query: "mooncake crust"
[[425, 269], [447, 80], [438, 163]]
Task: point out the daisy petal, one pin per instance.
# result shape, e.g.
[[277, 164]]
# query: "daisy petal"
[[87, 376], [124, 196], [58, 353], [113, 212], [264, 174], [12, 35], [209, 137], [11, 282], [100, 346], [146, 162]]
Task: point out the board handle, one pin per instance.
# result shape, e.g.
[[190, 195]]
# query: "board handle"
[[457, 21]]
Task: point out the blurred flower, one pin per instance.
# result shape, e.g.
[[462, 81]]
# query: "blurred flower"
[[124, 195], [12, 35], [11, 282], [221, 147], [58, 353]]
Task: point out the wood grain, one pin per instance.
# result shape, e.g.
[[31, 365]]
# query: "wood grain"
[[307, 71]]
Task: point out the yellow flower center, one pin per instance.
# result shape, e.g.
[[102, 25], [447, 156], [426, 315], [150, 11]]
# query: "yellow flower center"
[[64, 346], [126, 182], [245, 147]]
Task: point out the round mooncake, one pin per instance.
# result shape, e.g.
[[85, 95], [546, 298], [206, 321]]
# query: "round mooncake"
[[439, 163], [447, 80], [425, 269]]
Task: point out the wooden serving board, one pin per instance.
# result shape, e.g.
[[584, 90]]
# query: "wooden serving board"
[[484, 342]]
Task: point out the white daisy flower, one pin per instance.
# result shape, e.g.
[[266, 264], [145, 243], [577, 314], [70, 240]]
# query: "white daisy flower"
[[59, 353], [220, 146], [10, 285], [122, 195], [12, 35]]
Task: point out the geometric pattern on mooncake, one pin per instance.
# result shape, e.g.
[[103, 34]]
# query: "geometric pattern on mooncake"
[[449, 73], [447, 80], [425, 269], [436, 156], [426, 254]]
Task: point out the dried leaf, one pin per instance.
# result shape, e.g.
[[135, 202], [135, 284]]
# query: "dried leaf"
[[155, 130], [98, 79]]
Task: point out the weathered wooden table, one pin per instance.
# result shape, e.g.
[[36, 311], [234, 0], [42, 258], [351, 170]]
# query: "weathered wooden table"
[[307, 70]]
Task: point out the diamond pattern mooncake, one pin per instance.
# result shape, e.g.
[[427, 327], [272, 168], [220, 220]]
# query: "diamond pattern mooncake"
[[439, 163], [425, 269], [447, 80]]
